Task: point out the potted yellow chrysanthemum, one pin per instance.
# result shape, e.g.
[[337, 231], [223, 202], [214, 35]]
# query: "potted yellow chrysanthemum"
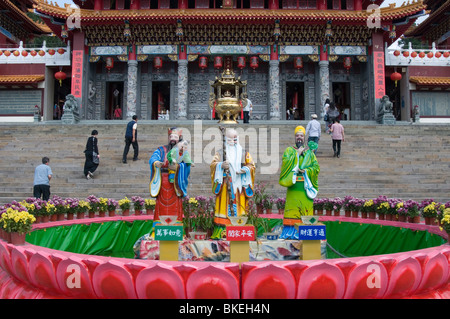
[[18, 223], [124, 205], [150, 205]]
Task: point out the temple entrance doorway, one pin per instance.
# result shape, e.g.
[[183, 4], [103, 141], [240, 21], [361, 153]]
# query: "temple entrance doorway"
[[114, 97], [295, 100], [160, 100], [341, 98]]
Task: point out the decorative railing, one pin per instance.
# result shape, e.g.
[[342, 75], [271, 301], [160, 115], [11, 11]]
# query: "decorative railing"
[[417, 56], [59, 56]]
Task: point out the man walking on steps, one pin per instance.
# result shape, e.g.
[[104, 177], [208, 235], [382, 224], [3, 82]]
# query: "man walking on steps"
[[131, 138]]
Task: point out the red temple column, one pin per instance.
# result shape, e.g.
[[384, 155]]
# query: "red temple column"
[[135, 4], [322, 5], [358, 5], [274, 4], [98, 5], [182, 4], [274, 52]]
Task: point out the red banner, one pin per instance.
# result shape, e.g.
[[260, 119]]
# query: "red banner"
[[379, 80], [77, 73], [240, 233]]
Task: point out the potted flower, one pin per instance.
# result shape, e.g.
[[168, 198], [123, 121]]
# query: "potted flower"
[[83, 208], [17, 222], [445, 221], [280, 202], [413, 211], [150, 205], [102, 206], [369, 208], [318, 204], [328, 205], [112, 206], [351, 206], [94, 204], [429, 212], [61, 208], [72, 206], [50, 211], [138, 203], [383, 210], [337, 205], [125, 204], [267, 203], [259, 196]]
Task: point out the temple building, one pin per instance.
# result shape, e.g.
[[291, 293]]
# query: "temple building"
[[157, 58], [425, 70]]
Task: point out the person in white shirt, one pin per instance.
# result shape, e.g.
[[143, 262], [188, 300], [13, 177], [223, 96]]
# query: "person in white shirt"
[[248, 108], [313, 130]]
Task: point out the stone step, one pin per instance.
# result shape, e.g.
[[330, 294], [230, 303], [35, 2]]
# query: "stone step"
[[405, 161]]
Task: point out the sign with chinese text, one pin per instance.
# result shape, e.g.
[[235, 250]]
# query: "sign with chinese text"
[[77, 73], [240, 233], [166, 232], [312, 232], [378, 66]]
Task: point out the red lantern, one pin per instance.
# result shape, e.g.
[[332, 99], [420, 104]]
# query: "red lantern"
[[7, 53], [406, 54], [51, 52], [241, 62], [421, 55], [157, 62], [16, 53], [438, 54], [430, 55], [397, 52], [413, 54], [24, 53], [61, 51], [41, 52], [254, 63], [298, 62], [348, 63], [60, 75], [396, 77], [203, 62], [446, 54], [33, 53], [218, 63], [1, 52]]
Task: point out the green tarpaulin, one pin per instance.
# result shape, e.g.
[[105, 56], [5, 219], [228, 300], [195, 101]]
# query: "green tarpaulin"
[[117, 238]]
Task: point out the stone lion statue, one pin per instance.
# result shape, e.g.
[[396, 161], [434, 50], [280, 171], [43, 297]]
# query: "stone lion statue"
[[71, 104]]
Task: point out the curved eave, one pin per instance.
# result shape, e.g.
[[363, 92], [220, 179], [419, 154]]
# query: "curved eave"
[[234, 15], [436, 16], [30, 25]]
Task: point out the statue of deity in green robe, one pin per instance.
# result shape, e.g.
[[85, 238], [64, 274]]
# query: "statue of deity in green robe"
[[299, 174]]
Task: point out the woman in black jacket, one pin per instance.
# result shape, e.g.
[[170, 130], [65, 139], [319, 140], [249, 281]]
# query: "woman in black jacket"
[[91, 163]]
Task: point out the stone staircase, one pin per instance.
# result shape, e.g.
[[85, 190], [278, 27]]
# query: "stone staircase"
[[402, 161]]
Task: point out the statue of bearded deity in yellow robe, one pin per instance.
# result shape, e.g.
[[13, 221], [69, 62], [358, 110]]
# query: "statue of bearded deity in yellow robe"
[[232, 182]]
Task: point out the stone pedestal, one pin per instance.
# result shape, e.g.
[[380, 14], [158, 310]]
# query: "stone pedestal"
[[70, 117], [388, 118]]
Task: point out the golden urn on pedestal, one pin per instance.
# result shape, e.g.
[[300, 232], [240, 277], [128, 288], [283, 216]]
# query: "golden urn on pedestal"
[[227, 97]]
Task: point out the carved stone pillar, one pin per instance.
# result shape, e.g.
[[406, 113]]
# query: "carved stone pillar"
[[324, 76], [132, 88], [274, 89], [182, 89]]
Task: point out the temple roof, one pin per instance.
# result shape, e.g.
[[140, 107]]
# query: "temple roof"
[[28, 24], [21, 79], [438, 17], [430, 81], [233, 15]]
